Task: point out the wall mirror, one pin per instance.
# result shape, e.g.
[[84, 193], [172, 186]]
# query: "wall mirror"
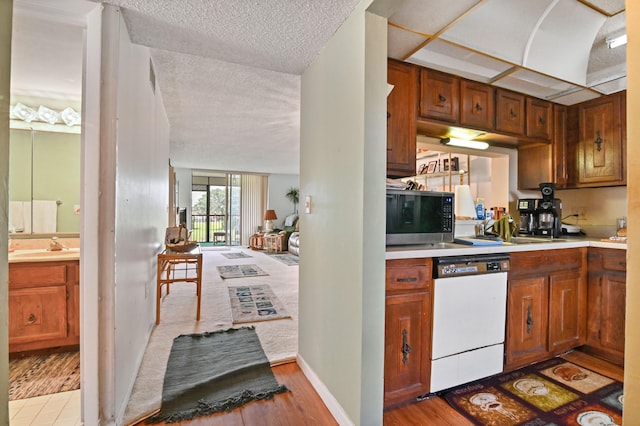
[[45, 128]]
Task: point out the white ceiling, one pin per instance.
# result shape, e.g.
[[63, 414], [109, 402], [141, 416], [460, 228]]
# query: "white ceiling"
[[229, 71]]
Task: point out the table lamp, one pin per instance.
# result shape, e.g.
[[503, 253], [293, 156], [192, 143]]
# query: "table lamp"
[[269, 217]]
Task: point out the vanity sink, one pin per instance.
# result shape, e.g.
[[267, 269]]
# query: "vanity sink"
[[44, 255]]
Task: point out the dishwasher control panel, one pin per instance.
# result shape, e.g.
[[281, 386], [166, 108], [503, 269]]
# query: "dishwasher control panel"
[[455, 266]]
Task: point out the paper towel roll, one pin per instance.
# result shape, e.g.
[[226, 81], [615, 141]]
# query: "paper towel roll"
[[465, 207]]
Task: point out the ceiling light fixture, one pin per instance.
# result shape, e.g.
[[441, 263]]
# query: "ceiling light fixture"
[[48, 115], [618, 41], [70, 117], [24, 113], [464, 143]]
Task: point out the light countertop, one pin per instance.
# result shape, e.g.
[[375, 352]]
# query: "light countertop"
[[43, 255], [453, 249]]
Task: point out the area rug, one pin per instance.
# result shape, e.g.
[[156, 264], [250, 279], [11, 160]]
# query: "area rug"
[[235, 255], [43, 375], [240, 271], [255, 303], [551, 392], [286, 258], [215, 371]]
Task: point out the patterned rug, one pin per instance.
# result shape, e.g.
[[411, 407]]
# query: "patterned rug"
[[43, 375], [255, 303], [551, 392], [286, 258], [235, 255], [240, 271]]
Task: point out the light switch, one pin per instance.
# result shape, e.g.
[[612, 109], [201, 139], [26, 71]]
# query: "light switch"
[[307, 204]]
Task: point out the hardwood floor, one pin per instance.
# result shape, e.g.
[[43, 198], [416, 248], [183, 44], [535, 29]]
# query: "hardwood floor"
[[303, 405]]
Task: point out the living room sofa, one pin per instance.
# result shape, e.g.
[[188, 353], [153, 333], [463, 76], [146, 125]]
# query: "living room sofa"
[[294, 243]]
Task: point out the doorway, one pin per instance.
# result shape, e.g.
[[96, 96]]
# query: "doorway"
[[215, 209]]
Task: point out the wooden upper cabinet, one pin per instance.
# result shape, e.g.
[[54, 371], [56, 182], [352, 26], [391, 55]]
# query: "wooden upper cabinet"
[[401, 119], [510, 112], [539, 118], [439, 96], [602, 141], [476, 105], [560, 147]]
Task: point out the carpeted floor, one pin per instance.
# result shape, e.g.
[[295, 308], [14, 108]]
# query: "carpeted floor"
[[43, 375], [553, 392], [279, 338]]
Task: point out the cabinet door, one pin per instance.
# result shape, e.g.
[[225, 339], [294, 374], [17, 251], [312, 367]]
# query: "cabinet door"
[[477, 105], [407, 346], [37, 313], [527, 316], [539, 118], [401, 120], [601, 146], [510, 107], [567, 310], [606, 323], [439, 96], [534, 166], [560, 147]]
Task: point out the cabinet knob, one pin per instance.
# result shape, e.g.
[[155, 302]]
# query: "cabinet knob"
[[541, 121], [530, 321], [512, 113], [598, 141], [478, 107], [31, 319], [441, 99], [406, 349]]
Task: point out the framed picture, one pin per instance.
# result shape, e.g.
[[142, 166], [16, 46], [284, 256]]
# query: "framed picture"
[[423, 169], [454, 164], [431, 167]]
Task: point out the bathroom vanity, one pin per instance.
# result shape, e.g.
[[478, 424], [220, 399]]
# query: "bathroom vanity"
[[44, 300]]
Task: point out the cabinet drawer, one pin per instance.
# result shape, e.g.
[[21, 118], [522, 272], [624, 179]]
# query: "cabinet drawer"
[[536, 262], [408, 274], [37, 275], [37, 314], [614, 260]]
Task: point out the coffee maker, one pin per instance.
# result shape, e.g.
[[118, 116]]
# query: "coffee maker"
[[527, 210], [548, 212]]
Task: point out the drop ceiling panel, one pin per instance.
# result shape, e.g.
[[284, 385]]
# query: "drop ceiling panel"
[[561, 44], [500, 28], [576, 97], [400, 42], [609, 6], [612, 86], [456, 60], [534, 84], [429, 17]]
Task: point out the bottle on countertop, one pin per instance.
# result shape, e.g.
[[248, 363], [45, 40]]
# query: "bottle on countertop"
[[480, 208]]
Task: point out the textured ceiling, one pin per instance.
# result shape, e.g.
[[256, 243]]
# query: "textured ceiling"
[[230, 71]]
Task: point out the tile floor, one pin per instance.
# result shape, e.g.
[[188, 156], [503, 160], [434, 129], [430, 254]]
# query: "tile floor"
[[59, 409]]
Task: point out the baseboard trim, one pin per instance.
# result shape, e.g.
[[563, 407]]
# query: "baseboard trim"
[[329, 400]]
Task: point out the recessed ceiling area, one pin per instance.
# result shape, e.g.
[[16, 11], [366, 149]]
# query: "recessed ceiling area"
[[551, 49]]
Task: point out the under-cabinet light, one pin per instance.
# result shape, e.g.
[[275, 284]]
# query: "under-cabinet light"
[[464, 143], [618, 41]]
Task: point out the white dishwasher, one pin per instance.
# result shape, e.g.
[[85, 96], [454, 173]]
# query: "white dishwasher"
[[469, 315]]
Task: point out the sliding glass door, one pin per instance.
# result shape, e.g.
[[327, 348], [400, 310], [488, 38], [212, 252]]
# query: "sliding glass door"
[[215, 209]]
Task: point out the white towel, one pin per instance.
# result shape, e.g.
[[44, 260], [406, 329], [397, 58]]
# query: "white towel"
[[45, 216], [16, 216]]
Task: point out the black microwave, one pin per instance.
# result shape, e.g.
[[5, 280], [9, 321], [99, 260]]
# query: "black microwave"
[[419, 217]]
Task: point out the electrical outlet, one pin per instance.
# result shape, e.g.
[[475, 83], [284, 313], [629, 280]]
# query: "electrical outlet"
[[581, 212]]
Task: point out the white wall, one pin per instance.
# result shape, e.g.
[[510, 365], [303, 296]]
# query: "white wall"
[[278, 186], [135, 144], [343, 157]]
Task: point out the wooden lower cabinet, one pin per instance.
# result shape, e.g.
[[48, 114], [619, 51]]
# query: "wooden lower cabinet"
[[546, 305], [407, 330], [606, 304], [44, 308]]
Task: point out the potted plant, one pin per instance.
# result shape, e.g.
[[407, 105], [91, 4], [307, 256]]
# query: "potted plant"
[[293, 196]]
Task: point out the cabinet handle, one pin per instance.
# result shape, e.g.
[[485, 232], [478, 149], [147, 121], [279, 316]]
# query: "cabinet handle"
[[530, 321], [406, 349], [541, 121], [478, 107], [31, 319], [598, 141], [407, 280], [441, 99], [512, 113]]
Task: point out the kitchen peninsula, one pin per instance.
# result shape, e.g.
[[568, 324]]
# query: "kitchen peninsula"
[[561, 294]]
